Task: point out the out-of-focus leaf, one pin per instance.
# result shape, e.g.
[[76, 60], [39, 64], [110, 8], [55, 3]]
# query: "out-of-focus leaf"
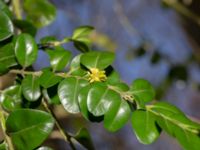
[[82, 31], [6, 26], [4, 8], [40, 13], [29, 128], [31, 88], [25, 26], [26, 49]]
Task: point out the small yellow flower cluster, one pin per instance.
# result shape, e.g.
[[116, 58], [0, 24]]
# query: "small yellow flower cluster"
[[96, 75]]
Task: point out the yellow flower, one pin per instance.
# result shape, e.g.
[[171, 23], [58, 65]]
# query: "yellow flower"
[[96, 75]]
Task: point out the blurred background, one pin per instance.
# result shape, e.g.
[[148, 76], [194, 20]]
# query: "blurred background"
[[153, 39]]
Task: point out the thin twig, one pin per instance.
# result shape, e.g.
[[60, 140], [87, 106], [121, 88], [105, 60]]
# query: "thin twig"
[[3, 122], [17, 8], [67, 137], [183, 10]]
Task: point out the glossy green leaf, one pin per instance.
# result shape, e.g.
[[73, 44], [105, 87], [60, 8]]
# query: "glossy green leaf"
[[75, 67], [82, 100], [100, 99], [84, 138], [26, 49], [82, 31], [117, 116], [6, 26], [49, 79], [176, 124], [40, 13], [99, 60], [11, 98], [59, 59], [4, 8], [25, 27], [143, 90], [51, 95], [68, 91], [81, 46], [31, 88], [144, 125], [29, 128], [7, 57]]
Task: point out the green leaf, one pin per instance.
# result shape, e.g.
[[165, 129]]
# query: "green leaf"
[[82, 100], [40, 13], [84, 138], [31, 88], [113, 78], [59, 59], [51, 95], [99, 60], [176, 124], [117, 116], [11, 98], [82, 46], [82, 31], [29, 128], [7, 57], [144, 125], [100, 99], [4, 8], [25, 49], [143, 90], [6, 26], [68, 91], [25, 26], [49, 79], [3, 146]]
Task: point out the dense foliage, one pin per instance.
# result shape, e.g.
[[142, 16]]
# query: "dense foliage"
[[85, 84]]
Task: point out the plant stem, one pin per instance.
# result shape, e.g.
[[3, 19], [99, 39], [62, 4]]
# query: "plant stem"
[[17, 9], [183, 10], [67, 137], [3, 122]]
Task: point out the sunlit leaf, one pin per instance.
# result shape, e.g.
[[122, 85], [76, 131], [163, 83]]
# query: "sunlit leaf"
[[68, 91], [26, 49], [6, 26], [99, 60], [31, 88], [82, 31]]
